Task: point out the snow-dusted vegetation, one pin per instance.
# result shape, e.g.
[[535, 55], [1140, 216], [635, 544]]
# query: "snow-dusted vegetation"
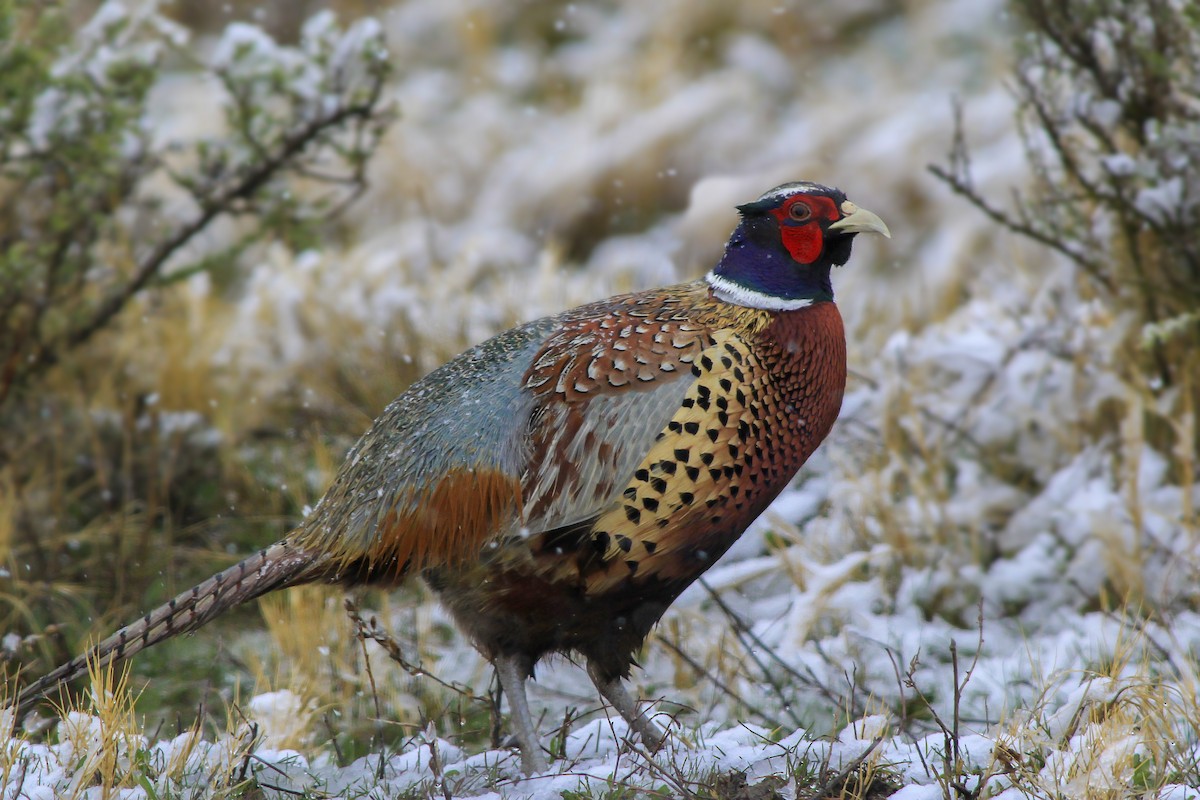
[[986, 583]]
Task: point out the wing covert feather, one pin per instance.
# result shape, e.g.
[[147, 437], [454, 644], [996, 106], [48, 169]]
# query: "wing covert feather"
[[607, 382]]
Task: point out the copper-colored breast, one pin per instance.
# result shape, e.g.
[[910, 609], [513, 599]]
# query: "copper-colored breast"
[[758, 408]]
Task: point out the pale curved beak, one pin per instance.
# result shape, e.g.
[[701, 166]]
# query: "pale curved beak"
[[859, 220]]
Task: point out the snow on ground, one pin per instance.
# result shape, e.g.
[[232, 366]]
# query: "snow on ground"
[[965, 507]]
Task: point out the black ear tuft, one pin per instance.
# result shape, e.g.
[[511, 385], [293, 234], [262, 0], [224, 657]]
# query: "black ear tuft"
[[759, 206]]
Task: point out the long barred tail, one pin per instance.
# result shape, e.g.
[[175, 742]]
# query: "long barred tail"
[[276, 567]]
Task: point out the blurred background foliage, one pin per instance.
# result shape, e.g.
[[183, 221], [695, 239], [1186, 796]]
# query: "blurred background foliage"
[[110, 500]]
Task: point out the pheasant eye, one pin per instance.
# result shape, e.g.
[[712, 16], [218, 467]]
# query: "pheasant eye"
[[800, 211]]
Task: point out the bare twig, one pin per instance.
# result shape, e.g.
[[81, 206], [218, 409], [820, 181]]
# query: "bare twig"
[[362, 637], [838, 780], [435, 762], [337, 749], [714, 680], [752, 643], [954, 766], [373, 630], [963, 188], [674, 778], [245, 187]]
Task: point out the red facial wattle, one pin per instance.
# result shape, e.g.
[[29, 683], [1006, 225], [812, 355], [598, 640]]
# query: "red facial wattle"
[[804, 239]]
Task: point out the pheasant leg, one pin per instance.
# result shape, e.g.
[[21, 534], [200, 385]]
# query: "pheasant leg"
[[512, 671], [614, 691]]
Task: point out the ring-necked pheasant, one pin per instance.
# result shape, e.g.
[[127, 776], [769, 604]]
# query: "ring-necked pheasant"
[[560, 484]]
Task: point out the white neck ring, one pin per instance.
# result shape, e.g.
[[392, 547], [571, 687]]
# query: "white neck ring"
[[731, 292]]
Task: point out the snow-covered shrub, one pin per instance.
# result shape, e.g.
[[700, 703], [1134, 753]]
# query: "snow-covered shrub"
[[1109, 95], [98, 207], [101, 207]]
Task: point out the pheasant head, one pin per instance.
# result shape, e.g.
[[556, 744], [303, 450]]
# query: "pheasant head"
[[781, 253]]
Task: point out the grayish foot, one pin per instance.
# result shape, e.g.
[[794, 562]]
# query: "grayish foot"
[[614, 691], [512, 671]]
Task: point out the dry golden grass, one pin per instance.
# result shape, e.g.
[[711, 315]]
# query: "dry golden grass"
[[1123, 735]]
